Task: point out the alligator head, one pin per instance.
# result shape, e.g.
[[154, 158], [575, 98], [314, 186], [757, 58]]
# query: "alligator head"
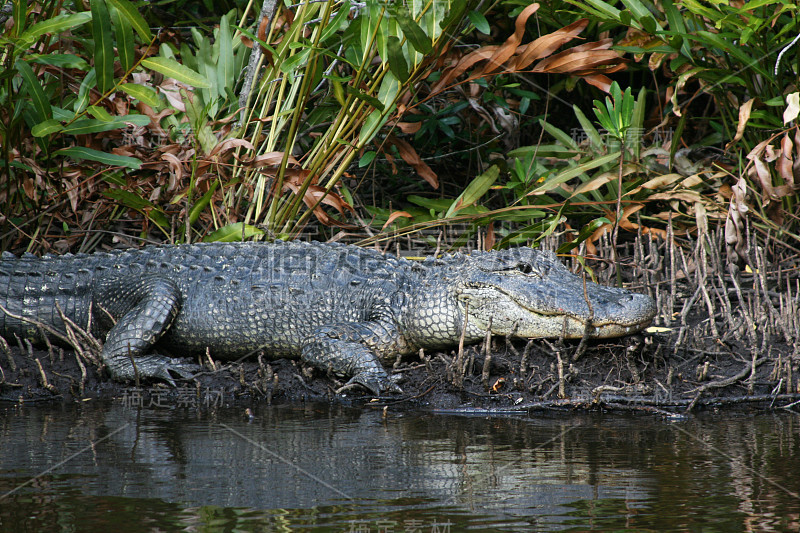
[[530, 293]]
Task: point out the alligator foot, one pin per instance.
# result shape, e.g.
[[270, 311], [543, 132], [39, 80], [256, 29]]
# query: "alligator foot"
[[341, 349], [375, 382], [152, 366]]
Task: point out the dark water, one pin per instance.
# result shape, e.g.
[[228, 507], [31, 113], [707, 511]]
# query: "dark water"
[[112, 468]]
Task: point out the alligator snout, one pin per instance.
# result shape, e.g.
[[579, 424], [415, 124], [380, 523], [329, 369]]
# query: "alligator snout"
[[624, 308]]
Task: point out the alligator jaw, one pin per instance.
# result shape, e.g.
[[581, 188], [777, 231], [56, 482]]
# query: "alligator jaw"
[[617, 312]]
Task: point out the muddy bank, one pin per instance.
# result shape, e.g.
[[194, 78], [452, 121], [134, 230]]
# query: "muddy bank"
[[717, 340]]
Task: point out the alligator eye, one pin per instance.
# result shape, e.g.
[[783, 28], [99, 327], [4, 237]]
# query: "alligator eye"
[[525, 268]]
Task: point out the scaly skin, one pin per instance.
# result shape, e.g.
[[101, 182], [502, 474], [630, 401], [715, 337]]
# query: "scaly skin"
[[340, 308]]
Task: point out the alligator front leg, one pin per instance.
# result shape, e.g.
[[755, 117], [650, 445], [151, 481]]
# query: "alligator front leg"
[[349, 350], [144, 309]]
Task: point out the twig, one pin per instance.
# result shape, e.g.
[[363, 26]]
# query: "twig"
[[587, 330], [83, 372], [253, 65], [723, 382], [42, 375], [561, 381], [487, 355], [458, 374], [617, 401]]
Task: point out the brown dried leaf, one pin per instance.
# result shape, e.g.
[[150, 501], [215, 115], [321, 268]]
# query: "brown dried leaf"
[[230, 144], [735, 244], [600, 81], [462, 66], [261, 33], [792, 107], [72, 189], [272, 159], [313, 194], [610, 69], [394, 216], [627, 211], [509, 48], [30, 188], [761, 171], [602, 179], [411, 157], [682, 195], [495, 56], [547, 44], [661, 181], [572, 61], [785, 162], [175, 165], [409, 127], [744, 116], [692, 181]]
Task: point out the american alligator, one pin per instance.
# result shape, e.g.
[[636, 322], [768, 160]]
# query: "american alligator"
[[340, 308]]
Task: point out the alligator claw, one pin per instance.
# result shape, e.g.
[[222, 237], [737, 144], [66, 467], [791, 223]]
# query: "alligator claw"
[[171, 369], [153, 367], [376, 384]]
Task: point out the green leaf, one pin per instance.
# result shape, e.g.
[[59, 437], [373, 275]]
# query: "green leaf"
[[54, 25], [570, 173], [588, 128], [62, 115], [480, 22], [397, 62], [558, 134], [59, 60], [83, 126], [125, 43], [335, 24], [638, 10], [585, 233], [80, 152], [633, 138], [104, 122], [454, 15], [202, 203], [366, 159], [699, 9], [40, 102], [134, 18], [474, 191], [84, 92], [45, 128], [103, 47], [172, 69], [371, 100], [609, 11], [295, 61], [138, 203], [712, 39], [144, 94], [225, 73], [435, 204], [100, 113], [233, 233], [136, 120], [412, 31], [20, 17]]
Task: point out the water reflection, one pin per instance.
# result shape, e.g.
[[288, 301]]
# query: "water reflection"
[[338, 468]]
